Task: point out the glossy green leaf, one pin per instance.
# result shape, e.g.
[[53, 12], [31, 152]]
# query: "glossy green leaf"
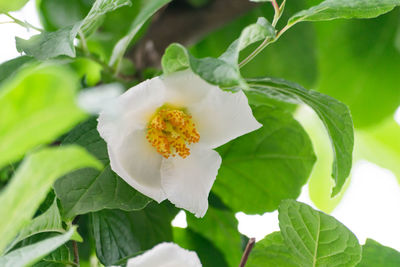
[[89, 190], [271, 252], [220, 228], [119, 234], [209, 255], [36, 106], [316, 239], [52, 44], [6, 6], [334, 114], [347, 9], [30, 254], [31, 183], [147, 9], [60, 257], [377, 255], [266, 166]]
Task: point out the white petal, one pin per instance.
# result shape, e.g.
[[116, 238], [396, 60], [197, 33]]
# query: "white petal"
[[187, 182], [138, 163], [185, 88], [166, 255], [132, 110], [223, 116]]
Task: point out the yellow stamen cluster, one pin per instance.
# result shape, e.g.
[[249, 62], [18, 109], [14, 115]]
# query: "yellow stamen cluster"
[[171, 131]]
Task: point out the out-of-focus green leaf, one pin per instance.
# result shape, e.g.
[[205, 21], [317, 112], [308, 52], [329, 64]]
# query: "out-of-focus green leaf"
[[9, 68], [377, 255], [30, 254], [209, 255], [89, 190], [316, 239], [347, 9], [220, 228], [334, 114], [266, 166], [119, 233], [271, 252], [36, 106], [367, 79], [6, 6], [32, 181], [60, 257], [52, 44], [147, 10]]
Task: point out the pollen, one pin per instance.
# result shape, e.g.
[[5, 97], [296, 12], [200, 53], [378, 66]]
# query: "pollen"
[[170, 131]]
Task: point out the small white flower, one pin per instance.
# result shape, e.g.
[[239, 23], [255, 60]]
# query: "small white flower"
[[166, 255], [161, 137]]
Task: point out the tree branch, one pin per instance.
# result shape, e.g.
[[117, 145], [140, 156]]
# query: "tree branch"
[[247, 251]]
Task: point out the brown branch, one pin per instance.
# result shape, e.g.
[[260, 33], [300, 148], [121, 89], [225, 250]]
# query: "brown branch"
[[247, 251], [76, 253]]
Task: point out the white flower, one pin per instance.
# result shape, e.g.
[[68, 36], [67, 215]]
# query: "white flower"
[[161, 138], [166, 255]]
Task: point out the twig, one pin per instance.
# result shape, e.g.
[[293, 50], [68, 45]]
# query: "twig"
[[23, 23], [247, 251], [76, 253]]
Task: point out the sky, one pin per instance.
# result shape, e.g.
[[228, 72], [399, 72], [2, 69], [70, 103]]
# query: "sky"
[[369, 208]]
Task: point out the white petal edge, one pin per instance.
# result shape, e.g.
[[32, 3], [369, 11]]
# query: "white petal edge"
[[223, 116], [166, 255], [187, 182], [138, 163], [131, 111]]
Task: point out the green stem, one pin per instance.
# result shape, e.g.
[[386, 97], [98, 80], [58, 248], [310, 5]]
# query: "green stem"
[[277, 14], [23, 23]]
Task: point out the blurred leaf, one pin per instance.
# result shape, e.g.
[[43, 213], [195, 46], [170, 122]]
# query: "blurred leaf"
[[147, 10], [266, 166], [224, 70], [52, 44], [220, 227], [334, 114], [119, 234], [377, 255], [316, 239], [50, 221], [271, 252], [36, 106], [368, 75], [32, 181], [347, 9], [60, 257], [28, 255], [6, 6], [89, 190], [9, 68], [209, 255]]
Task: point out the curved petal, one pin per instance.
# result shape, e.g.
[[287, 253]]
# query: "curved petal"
[[185, 88], [131, 111], [223, 116], [187, 182], [138, 163], [166, 255]]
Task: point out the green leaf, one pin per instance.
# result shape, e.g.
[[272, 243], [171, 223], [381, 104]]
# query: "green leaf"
[[334, 114], [9, 68], [316, 239], [36, 106], [30, 254], [6, 6], [346, 9], [224, 70], [31, 183], [266, 166], [209, 255], [60, 257], [220, 228], [271, 252], [50, 221], [89, 190], [52, 44], [147, 9], [119, 234], [377, 255]]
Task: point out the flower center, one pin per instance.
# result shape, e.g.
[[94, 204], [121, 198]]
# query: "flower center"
[[171, 131]]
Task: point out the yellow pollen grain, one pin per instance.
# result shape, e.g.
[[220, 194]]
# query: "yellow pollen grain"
[[171, 131]]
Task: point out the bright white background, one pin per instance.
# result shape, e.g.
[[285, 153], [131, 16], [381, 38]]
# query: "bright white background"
[[369, 208]]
